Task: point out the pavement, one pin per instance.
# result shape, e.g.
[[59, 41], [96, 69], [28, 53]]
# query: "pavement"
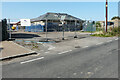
[[92, 61], [9, 50]]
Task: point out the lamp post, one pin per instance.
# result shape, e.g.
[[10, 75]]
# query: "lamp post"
[[106, 13]]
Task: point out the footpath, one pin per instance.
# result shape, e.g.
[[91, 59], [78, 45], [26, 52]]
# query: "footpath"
[[9, 50]]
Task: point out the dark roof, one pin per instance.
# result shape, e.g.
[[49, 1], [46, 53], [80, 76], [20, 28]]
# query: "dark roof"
[[54, 16]]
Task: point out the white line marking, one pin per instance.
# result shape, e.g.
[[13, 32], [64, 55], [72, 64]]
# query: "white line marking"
[[85, 46], [116, 39], [109, 41], [65, 52], [74, 73], [99, 43], [32, 60], [46, 52], [51, 48]]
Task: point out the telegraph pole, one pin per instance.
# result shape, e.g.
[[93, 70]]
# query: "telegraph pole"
[[106, 13]]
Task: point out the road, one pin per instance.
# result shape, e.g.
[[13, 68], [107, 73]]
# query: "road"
[[99, 61]]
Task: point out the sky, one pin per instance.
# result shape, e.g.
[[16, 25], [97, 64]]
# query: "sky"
[[83, 10]]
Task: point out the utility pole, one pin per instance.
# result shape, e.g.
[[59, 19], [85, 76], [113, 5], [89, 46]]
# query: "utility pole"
[[106, 13]]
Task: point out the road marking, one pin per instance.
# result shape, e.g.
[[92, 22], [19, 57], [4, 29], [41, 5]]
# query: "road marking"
[[65, 52], [99, 43], [47, 52], [116, 39], [81, 72], [85, 46], [109, 41], [74, 73], [32, 60], [50, 48]]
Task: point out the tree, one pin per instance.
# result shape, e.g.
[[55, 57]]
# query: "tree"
[[116, 17], [98, 24], [4, 29]]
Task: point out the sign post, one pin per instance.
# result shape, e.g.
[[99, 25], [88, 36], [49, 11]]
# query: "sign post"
[[62, 21]]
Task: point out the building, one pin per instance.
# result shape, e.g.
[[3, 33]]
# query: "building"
[[111, 23], [53, 21]]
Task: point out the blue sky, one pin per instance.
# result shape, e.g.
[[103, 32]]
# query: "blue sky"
[[83, 10]]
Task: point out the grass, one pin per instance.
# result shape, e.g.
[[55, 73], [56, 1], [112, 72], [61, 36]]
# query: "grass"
[[111, 32]]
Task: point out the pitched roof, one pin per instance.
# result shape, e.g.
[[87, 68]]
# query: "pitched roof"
[[54, 16]]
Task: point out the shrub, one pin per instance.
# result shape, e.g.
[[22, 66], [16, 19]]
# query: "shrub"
[[111, 32]]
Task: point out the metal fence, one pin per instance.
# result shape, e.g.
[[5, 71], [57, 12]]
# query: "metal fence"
[[89, 26], [50, 29]]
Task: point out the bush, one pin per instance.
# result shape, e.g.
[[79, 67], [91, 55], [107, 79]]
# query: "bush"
[[111, 32]]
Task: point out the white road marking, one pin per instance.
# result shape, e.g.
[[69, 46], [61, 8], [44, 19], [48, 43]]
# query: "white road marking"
[[85, 46], [46, 52], [31, 60], [74, 73], [109, 41], [65, 52], [50, 48], [81, 72], [99, 43], [116, 39]]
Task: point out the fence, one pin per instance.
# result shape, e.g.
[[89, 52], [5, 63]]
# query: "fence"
[[34, 28], [89, 26], [52, 29]]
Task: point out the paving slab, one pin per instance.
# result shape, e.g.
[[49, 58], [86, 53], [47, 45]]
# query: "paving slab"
[[9, 49]]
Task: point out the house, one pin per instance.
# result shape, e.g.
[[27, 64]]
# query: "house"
[[54, 23], [111, 23]]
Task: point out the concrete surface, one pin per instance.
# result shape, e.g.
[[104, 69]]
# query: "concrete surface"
[[10, 49]]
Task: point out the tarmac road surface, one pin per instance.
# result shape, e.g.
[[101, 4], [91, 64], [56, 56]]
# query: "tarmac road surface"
[[99, 61]]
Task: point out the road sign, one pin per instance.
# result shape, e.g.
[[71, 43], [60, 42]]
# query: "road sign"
[[63, 17], [25, 22], [13, 28]]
